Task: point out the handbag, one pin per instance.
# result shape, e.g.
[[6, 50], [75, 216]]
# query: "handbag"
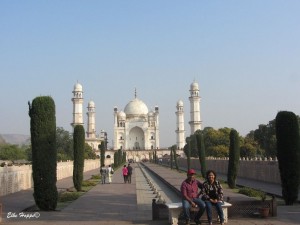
[[111, 172]]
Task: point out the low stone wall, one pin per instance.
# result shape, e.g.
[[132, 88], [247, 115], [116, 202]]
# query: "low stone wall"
[[262, 170], [17, 178]]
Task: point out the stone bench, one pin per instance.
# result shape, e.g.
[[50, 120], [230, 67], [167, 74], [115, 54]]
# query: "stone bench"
[[176, 208]]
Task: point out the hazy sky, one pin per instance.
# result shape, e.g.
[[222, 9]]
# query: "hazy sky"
[[245, 55]]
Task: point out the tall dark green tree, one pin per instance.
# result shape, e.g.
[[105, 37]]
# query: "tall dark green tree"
[[288, 153], [234, 158], [79, 145], [201, 152], [44, 153], [173, 148], [102, 153], [188, 156]]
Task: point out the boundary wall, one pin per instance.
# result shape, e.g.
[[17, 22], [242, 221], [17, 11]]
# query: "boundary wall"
[[260, 170], [17, 178]]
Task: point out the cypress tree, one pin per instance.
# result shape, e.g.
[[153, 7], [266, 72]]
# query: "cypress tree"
[[288, 154], [79, 142], [234, 158], [201, 153], [44, 153], [120, 157], [171, 158], [188, 140], [173, 148], [102, 153], [124, 157]]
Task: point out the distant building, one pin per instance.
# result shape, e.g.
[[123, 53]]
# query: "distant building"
[[195, 122], [91, 137], [136, 128]]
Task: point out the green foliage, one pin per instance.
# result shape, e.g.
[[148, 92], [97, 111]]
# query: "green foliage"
[[96, 177], [102, 153], [68, 196], [118, 158], [64, 144], [88, 183], [234, 157], [188, 152], [89, 152], [214, 138], [43, 140], [124, 157], [288, 154], [249, 147], [252, 192], [12, 152], [173, 149], [266, 138], [201, 152], [219, 151], [79, 144], [171, 159]]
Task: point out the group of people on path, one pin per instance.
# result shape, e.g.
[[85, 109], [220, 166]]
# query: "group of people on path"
[[202, 195], [106, 172], [127, 172]]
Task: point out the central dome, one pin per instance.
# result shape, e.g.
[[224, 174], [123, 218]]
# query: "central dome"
[[136, 107]]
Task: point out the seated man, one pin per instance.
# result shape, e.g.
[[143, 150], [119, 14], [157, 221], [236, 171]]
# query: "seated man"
[[190, 197]]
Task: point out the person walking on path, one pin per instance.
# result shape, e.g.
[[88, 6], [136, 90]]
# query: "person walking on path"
[[129, 168], [125, 173], [190, 197], [213, 196], [110, 172], [103, 172]]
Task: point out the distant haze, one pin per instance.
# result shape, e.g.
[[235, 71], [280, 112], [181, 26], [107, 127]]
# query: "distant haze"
[[16, 139]]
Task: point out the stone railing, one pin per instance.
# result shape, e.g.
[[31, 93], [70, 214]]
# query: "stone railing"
[[17, 178]]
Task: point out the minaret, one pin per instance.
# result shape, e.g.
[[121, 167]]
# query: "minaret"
[[91, 126], [157, 126], [77, 105], [180, 125], [195, 122]]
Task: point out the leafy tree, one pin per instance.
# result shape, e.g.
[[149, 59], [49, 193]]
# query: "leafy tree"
[[234, 157], [219, 151], [43, 140], [64, 144], [28, 153], [288, 145], [11, 152], [266, 138], [78, 164], [89, 152], [216, 141]]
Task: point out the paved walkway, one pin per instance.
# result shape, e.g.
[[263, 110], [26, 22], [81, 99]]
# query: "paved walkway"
[[112, 204]]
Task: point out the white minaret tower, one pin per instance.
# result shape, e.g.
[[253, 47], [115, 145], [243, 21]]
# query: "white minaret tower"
[[180, 125], [91, 127], [77, 105], [195, 122]]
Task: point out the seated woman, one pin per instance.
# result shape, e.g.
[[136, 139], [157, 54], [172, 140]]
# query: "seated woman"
[[212, 194]]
